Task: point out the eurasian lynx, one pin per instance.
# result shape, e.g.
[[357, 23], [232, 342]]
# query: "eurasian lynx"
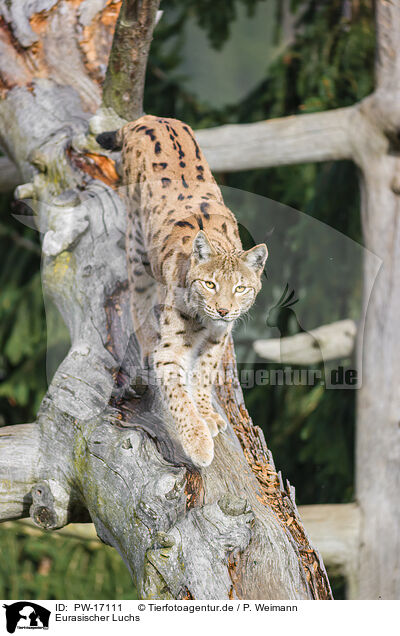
[[185, 257]]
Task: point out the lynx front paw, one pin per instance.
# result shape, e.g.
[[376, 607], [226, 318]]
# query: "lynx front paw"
[[200, 448]]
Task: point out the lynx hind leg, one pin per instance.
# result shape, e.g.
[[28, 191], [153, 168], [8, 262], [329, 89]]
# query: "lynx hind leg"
[[144, 326], [143, 293]]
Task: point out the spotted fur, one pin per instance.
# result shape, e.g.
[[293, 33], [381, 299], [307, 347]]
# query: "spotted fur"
[[185, 257]]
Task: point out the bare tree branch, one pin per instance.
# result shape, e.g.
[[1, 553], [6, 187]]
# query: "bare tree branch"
[[328, 342], [124, 83], [19, 469], [297, 139]]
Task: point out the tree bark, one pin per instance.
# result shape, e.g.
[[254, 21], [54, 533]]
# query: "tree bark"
[[378, 430], [230, 531], [124, 83], [19, 469], [335, 528], [375, 147]]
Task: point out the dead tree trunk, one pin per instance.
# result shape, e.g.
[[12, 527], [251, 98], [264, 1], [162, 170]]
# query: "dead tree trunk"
[[230, 531], [378, 425]]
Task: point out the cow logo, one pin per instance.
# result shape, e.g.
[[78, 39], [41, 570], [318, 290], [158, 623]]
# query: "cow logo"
[[26, 615]]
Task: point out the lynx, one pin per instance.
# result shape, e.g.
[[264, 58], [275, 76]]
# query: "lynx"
[[185, 258]]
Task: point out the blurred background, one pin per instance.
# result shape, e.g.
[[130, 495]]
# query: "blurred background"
[[212, 63]]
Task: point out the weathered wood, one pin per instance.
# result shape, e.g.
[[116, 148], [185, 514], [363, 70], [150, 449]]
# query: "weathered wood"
[[19, 469], [297, 139], [378, 409], [335, 529], [328, 342], [83, 442], [231, 531], [66, 42]]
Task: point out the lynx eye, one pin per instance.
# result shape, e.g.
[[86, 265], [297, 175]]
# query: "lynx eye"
[[240, 289], [209, 284]]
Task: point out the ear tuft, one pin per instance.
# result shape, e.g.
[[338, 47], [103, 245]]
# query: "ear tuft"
[[202, 248], [256, 257]]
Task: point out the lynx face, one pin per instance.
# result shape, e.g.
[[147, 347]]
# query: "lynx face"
[[223, 286]]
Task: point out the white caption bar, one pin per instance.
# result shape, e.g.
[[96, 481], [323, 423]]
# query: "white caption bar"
[[124, 617]]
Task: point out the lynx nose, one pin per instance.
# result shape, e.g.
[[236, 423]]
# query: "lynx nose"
[[223, 312]]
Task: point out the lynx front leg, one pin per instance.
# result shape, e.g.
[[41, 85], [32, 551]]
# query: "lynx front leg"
[[205, 373], [172, 364]]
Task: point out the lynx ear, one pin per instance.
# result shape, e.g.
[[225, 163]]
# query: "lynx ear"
[[202, 248], [256, 257]]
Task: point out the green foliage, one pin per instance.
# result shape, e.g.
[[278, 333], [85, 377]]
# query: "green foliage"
[[215, 22], [35, 565], [329, 65], [22, 323]]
